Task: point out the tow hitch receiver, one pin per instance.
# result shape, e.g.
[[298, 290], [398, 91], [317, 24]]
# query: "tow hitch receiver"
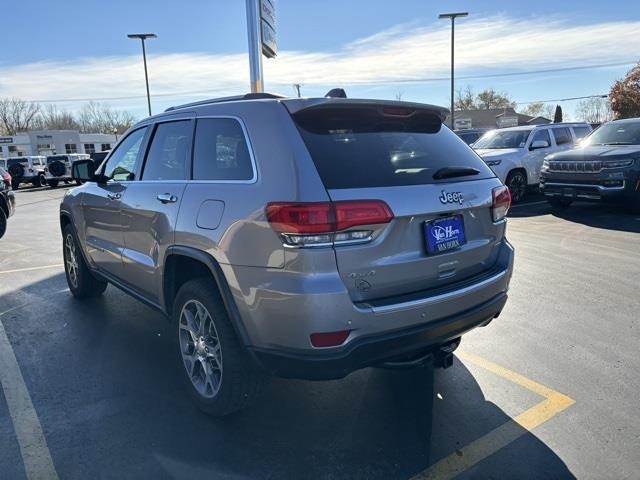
[[444, 355]]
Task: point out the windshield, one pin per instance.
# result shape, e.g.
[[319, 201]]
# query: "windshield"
[[503, 139], [615, 133]]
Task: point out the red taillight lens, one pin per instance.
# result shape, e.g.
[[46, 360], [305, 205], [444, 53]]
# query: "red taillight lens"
[[501, 202], [301, 217], [326, 217], [329, 339]]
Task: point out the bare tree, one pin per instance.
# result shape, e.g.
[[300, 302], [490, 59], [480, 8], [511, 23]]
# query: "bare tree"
[[399, 94], [97, 117], [594, 110], [534, 109], [465, 99], [17, 115], [51, 118]]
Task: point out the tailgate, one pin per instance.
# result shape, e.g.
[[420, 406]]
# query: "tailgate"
[[434, 184]]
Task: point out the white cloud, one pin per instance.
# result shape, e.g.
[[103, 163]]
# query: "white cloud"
[[410, 51]]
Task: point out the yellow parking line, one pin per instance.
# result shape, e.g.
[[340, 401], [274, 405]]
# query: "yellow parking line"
[[469, 455], [30, 269]]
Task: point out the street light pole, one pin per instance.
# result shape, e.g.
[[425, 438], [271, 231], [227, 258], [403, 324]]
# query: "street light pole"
[[453, 17], [143, 37]]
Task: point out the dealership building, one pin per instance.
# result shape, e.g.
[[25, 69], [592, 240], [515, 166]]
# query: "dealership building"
[[52, 142]]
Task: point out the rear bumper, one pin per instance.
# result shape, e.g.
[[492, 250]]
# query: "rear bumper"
[[376, 349]]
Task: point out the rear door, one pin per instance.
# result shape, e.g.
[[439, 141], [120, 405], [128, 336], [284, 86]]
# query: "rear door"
[[102, 204], [392, 154], [150, 206]]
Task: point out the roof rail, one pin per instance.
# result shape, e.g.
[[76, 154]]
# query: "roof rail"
[[234, 98]]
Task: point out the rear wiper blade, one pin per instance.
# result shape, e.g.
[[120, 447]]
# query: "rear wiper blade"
[[452, 172]]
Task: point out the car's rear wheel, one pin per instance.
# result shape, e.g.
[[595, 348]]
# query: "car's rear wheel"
[[15, 184], [39, 181], [219, 375], [559, 202], [3, 222], [517, 183], [82, 283], [52, 183]]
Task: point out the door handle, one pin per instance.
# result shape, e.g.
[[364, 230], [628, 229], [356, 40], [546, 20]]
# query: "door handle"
[[114, 196], [167, 198]]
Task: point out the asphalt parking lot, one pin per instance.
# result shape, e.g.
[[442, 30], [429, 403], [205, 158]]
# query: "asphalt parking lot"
[[548, 390]]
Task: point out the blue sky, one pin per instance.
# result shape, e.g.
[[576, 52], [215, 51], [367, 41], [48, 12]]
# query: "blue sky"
[[373, 48]]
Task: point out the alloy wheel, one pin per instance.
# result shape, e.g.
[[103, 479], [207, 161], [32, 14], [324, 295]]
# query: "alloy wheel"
[[200, 348], [517, 186], [71, 260]]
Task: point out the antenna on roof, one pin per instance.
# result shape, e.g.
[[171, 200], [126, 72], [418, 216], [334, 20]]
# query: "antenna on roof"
[[336, 93]]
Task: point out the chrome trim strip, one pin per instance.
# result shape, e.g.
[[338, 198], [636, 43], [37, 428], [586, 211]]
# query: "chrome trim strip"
[[581, 185], [423, 302]]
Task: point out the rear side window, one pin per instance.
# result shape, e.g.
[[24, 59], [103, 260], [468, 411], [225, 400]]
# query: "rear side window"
[[361, 147], [167, 157], [581, 132], [562, 136], [221, 151]]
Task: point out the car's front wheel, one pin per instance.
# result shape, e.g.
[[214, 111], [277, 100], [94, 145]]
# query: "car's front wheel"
[[82, 283], [517, 183], [219, 375]]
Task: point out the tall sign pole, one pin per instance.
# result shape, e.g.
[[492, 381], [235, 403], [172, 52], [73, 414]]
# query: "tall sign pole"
[[453, 17], [261, 34]]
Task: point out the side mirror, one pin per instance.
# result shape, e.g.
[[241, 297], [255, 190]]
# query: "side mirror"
[[83, 171], [539, 144]]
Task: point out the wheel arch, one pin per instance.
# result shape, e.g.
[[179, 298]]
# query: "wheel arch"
[[183, 263]]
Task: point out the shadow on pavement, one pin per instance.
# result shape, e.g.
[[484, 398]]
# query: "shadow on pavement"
[[601, 215], [104, 376]]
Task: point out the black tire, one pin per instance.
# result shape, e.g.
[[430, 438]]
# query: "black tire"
[[52, 183], [238, 379], [517, 183], [82, 283], [39, 181], [559, 202], [15, 184], [3, 222]]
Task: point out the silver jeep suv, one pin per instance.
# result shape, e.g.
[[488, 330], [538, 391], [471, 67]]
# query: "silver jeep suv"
[[304, 238]]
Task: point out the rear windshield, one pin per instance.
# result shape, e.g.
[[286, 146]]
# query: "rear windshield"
[[363, 147]]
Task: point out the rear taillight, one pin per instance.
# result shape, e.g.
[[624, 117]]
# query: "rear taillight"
[[501, 203], [326, 223]]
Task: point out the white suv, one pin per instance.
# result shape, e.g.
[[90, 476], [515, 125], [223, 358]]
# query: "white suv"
[[59, 167], [28, 169], [516, 154]]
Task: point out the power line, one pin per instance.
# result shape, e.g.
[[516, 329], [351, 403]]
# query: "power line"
[[562, 99]]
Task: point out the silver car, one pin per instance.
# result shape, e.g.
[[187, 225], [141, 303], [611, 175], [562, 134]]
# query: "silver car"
[[303, 238]]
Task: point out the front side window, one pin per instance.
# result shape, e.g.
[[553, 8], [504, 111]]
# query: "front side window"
[[498, 139], [221, 151], [124, 160], [562, 136], [542, 135], [167, 157]]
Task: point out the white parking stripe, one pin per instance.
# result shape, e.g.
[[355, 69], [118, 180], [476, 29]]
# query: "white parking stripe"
[[29, 269], [33, 446]]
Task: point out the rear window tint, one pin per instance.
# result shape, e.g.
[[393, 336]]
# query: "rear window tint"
[[361, 147]]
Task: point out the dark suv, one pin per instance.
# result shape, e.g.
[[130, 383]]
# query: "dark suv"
[[305, 238], [606, 166]]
